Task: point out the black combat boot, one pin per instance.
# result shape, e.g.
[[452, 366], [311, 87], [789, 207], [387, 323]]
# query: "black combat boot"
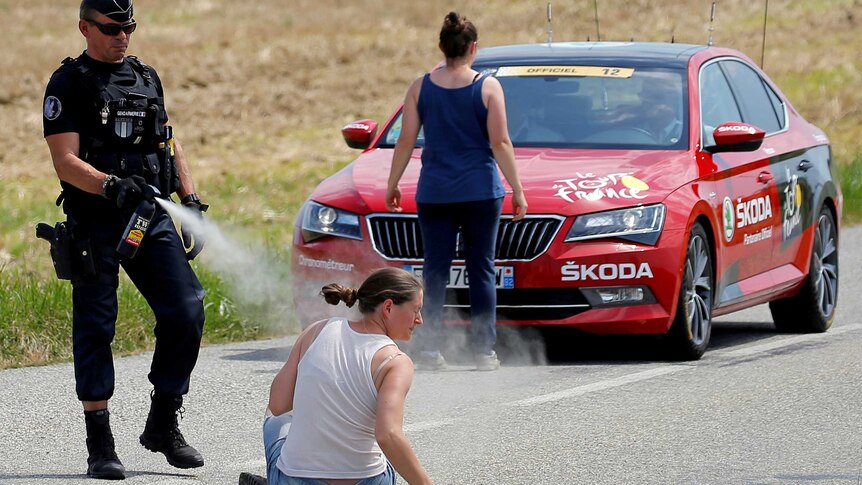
[[162, 434], [102, 462], [246, 478]]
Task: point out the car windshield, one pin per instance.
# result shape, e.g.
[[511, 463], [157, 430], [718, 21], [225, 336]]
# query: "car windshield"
[[589, 107]]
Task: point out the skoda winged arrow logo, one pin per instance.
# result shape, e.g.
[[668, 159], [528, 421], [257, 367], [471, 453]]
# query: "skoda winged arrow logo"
[[728, 218]]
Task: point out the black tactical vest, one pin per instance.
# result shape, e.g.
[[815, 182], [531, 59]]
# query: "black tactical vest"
[[131, 137]]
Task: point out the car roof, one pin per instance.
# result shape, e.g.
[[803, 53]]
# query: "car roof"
[[635, 54]]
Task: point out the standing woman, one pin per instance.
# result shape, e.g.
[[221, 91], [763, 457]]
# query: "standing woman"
[[463, 116], [345, 383]]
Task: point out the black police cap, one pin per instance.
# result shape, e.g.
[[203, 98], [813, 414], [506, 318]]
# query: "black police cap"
[[117, 10]]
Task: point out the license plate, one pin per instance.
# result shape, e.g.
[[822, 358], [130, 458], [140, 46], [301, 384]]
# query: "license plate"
[[458, 277]]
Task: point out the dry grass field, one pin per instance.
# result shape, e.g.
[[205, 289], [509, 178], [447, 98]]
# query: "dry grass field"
[[257, 91]]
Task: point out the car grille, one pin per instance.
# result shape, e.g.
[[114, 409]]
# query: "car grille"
[[522, 304], [399, 237]]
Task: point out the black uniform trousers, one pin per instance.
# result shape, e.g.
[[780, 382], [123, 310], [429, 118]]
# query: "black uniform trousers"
[[162, 274]]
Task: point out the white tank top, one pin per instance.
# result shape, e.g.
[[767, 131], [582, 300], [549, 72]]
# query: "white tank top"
[[335, 407]]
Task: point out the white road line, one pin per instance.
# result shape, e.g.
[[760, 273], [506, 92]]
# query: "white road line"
[[601, 385], [750, 350], [745, 351]]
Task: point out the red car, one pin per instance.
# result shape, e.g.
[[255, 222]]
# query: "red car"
[[667, 183]]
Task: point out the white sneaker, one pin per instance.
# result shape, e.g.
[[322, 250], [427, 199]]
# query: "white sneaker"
[[430, 361], [485, 362]]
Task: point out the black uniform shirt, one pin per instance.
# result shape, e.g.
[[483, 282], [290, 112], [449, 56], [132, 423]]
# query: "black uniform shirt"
[[72, 102]]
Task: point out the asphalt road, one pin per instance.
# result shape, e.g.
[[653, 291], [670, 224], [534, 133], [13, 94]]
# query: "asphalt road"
[[758, 408]]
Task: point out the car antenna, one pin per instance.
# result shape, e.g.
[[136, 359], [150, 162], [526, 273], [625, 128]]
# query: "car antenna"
[[763, 43], [596, 15], [711, 19], [550, 30]]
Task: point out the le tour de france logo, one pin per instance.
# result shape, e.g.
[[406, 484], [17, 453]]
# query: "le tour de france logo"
[[592, 187]]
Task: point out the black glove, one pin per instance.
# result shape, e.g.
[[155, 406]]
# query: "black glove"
[[127, 192], [193, 242]]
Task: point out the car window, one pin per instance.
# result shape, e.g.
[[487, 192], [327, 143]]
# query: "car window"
[[778, 106], [757, 108], [394, 131], [645, 108], [717, 103]]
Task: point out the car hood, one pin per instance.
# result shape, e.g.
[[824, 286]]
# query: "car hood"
[[556, 181]]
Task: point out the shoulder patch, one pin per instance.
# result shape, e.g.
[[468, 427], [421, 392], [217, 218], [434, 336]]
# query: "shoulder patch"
[[52, 108]]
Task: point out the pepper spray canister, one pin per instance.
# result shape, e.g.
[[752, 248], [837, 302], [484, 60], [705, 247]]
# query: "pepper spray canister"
[[136, 228]]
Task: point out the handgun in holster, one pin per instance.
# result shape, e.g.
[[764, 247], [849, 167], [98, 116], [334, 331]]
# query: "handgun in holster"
[[61, 247]]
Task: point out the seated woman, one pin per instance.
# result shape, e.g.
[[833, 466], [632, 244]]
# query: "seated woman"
[[341, 392]]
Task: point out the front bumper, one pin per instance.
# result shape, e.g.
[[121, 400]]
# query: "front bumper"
[[559, 287]]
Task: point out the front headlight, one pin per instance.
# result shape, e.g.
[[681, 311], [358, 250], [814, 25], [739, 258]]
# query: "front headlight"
[[319, 220], [637, 224]]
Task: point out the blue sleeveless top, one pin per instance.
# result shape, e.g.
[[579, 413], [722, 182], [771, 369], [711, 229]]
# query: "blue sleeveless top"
[[457, 162]]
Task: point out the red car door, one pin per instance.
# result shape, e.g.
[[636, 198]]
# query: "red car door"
[[745, 200], [787, 147]]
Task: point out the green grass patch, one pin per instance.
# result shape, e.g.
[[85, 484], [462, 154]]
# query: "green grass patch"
[[36, 327], [36, 324], [851, 188]]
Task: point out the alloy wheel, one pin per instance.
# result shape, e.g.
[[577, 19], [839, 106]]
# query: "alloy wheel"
[[825, 268], [698, 289]]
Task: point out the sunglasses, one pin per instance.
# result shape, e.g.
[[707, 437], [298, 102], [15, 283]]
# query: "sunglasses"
[[112, 30]]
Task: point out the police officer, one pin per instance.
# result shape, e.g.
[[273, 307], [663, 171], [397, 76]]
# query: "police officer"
[[106, 127]]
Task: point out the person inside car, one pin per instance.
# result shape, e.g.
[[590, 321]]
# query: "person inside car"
[[662, 113]]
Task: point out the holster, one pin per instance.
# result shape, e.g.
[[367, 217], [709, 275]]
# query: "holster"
[[61, 247], [71, 257]]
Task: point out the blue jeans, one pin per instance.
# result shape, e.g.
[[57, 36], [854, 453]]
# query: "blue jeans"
[[275, 430], [478, 221]]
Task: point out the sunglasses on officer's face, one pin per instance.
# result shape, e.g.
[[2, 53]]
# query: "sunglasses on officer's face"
[[112, 30]]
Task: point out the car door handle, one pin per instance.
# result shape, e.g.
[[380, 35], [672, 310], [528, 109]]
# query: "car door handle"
[[764, 177], [804, 165]]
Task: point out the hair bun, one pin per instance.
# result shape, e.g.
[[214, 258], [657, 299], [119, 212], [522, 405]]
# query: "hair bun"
[[456, 35], [334, 293], [348, 296], [453, 22]]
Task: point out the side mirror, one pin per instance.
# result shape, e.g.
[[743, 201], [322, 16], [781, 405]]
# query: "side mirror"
[[736, 136], [359, 134]]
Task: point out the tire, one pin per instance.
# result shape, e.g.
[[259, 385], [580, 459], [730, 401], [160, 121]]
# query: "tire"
[[812, 309], [692, 325]]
